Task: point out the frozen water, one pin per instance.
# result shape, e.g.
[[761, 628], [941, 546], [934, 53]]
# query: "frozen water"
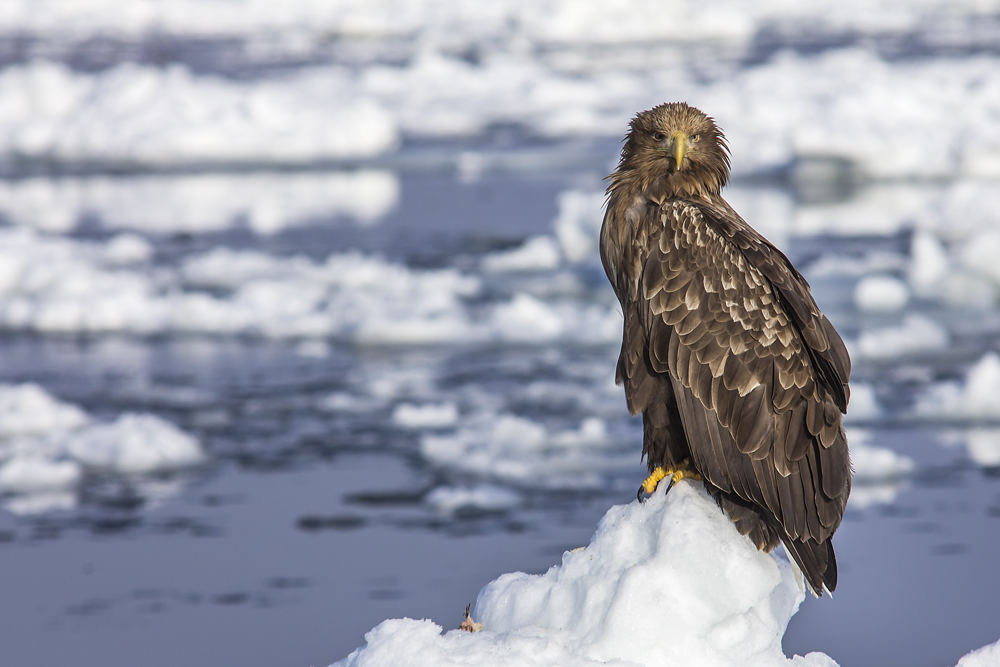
[[425, 416], [264, 202], [880, 293], [536, 254], [48, 446], [157, 117], [916, 334], [484, 497], [663, 582], [977, 397], [523, 452]]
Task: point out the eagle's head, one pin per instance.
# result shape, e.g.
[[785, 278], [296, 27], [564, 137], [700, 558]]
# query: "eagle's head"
[[678, 146]]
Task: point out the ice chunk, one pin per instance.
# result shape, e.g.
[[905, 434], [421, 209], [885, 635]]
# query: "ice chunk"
[[158, 117], [983, 445], [881, 293], [864, 404], [877, 464], [29, 410], [425, 416], [485, 497], [578, 224], [977, 397], [134, 443], [669, 581], [47, 446], [127, 249], [264, 202], [35, 474], [929, 263], [521, 451], [537, 253], [916, 334]]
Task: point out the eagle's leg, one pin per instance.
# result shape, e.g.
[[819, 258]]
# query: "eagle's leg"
[[682, 471]]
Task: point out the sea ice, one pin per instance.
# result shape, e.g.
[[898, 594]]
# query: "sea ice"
[[977, 397], [263, 202], [47, 446], [425, 416], [519, 451], [916, 334], [881, 293], [538, 253], [669, 581], [156, 117], [484, 498]]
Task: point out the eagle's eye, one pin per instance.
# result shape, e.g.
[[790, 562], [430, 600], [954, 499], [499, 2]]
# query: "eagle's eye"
[[658, 136], [695, 137]]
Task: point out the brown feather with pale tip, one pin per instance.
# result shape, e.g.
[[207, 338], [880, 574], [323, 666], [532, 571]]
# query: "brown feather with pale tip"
[[724, 350]]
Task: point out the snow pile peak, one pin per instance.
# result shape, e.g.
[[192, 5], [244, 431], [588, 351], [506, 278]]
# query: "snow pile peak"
[[669, 581]]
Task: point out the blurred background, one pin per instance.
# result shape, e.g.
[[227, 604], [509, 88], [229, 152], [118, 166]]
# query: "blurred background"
[[302, 322]]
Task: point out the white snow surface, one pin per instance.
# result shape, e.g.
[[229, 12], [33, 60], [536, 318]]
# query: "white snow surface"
[[47, 445], [669, 581], [987, 656]]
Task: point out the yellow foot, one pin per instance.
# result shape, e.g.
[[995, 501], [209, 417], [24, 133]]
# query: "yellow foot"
[[683, 471]]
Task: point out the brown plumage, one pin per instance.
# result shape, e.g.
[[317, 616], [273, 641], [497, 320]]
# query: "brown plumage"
[[724, 351]]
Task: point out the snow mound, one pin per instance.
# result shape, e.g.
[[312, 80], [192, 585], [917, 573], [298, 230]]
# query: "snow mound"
[[666, 582], [987, 656]]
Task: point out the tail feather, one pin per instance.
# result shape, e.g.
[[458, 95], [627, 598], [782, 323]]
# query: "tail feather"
[[817, 561]]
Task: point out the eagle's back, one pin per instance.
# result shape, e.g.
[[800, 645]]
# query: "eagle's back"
[[733, 365]]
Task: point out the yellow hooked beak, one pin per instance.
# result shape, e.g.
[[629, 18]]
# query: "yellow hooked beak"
[[678, 148]]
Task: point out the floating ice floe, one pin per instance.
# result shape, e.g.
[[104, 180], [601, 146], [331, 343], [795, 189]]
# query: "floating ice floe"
[[522, 452], [425, 416], [776, 114], [983, 445], [879, 472], [916, 334], [47, 446], [881, 294], [263, 202], [669, 581], [538, 253], [864, 404], [450, 500], [978, 397], [159, 117]]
